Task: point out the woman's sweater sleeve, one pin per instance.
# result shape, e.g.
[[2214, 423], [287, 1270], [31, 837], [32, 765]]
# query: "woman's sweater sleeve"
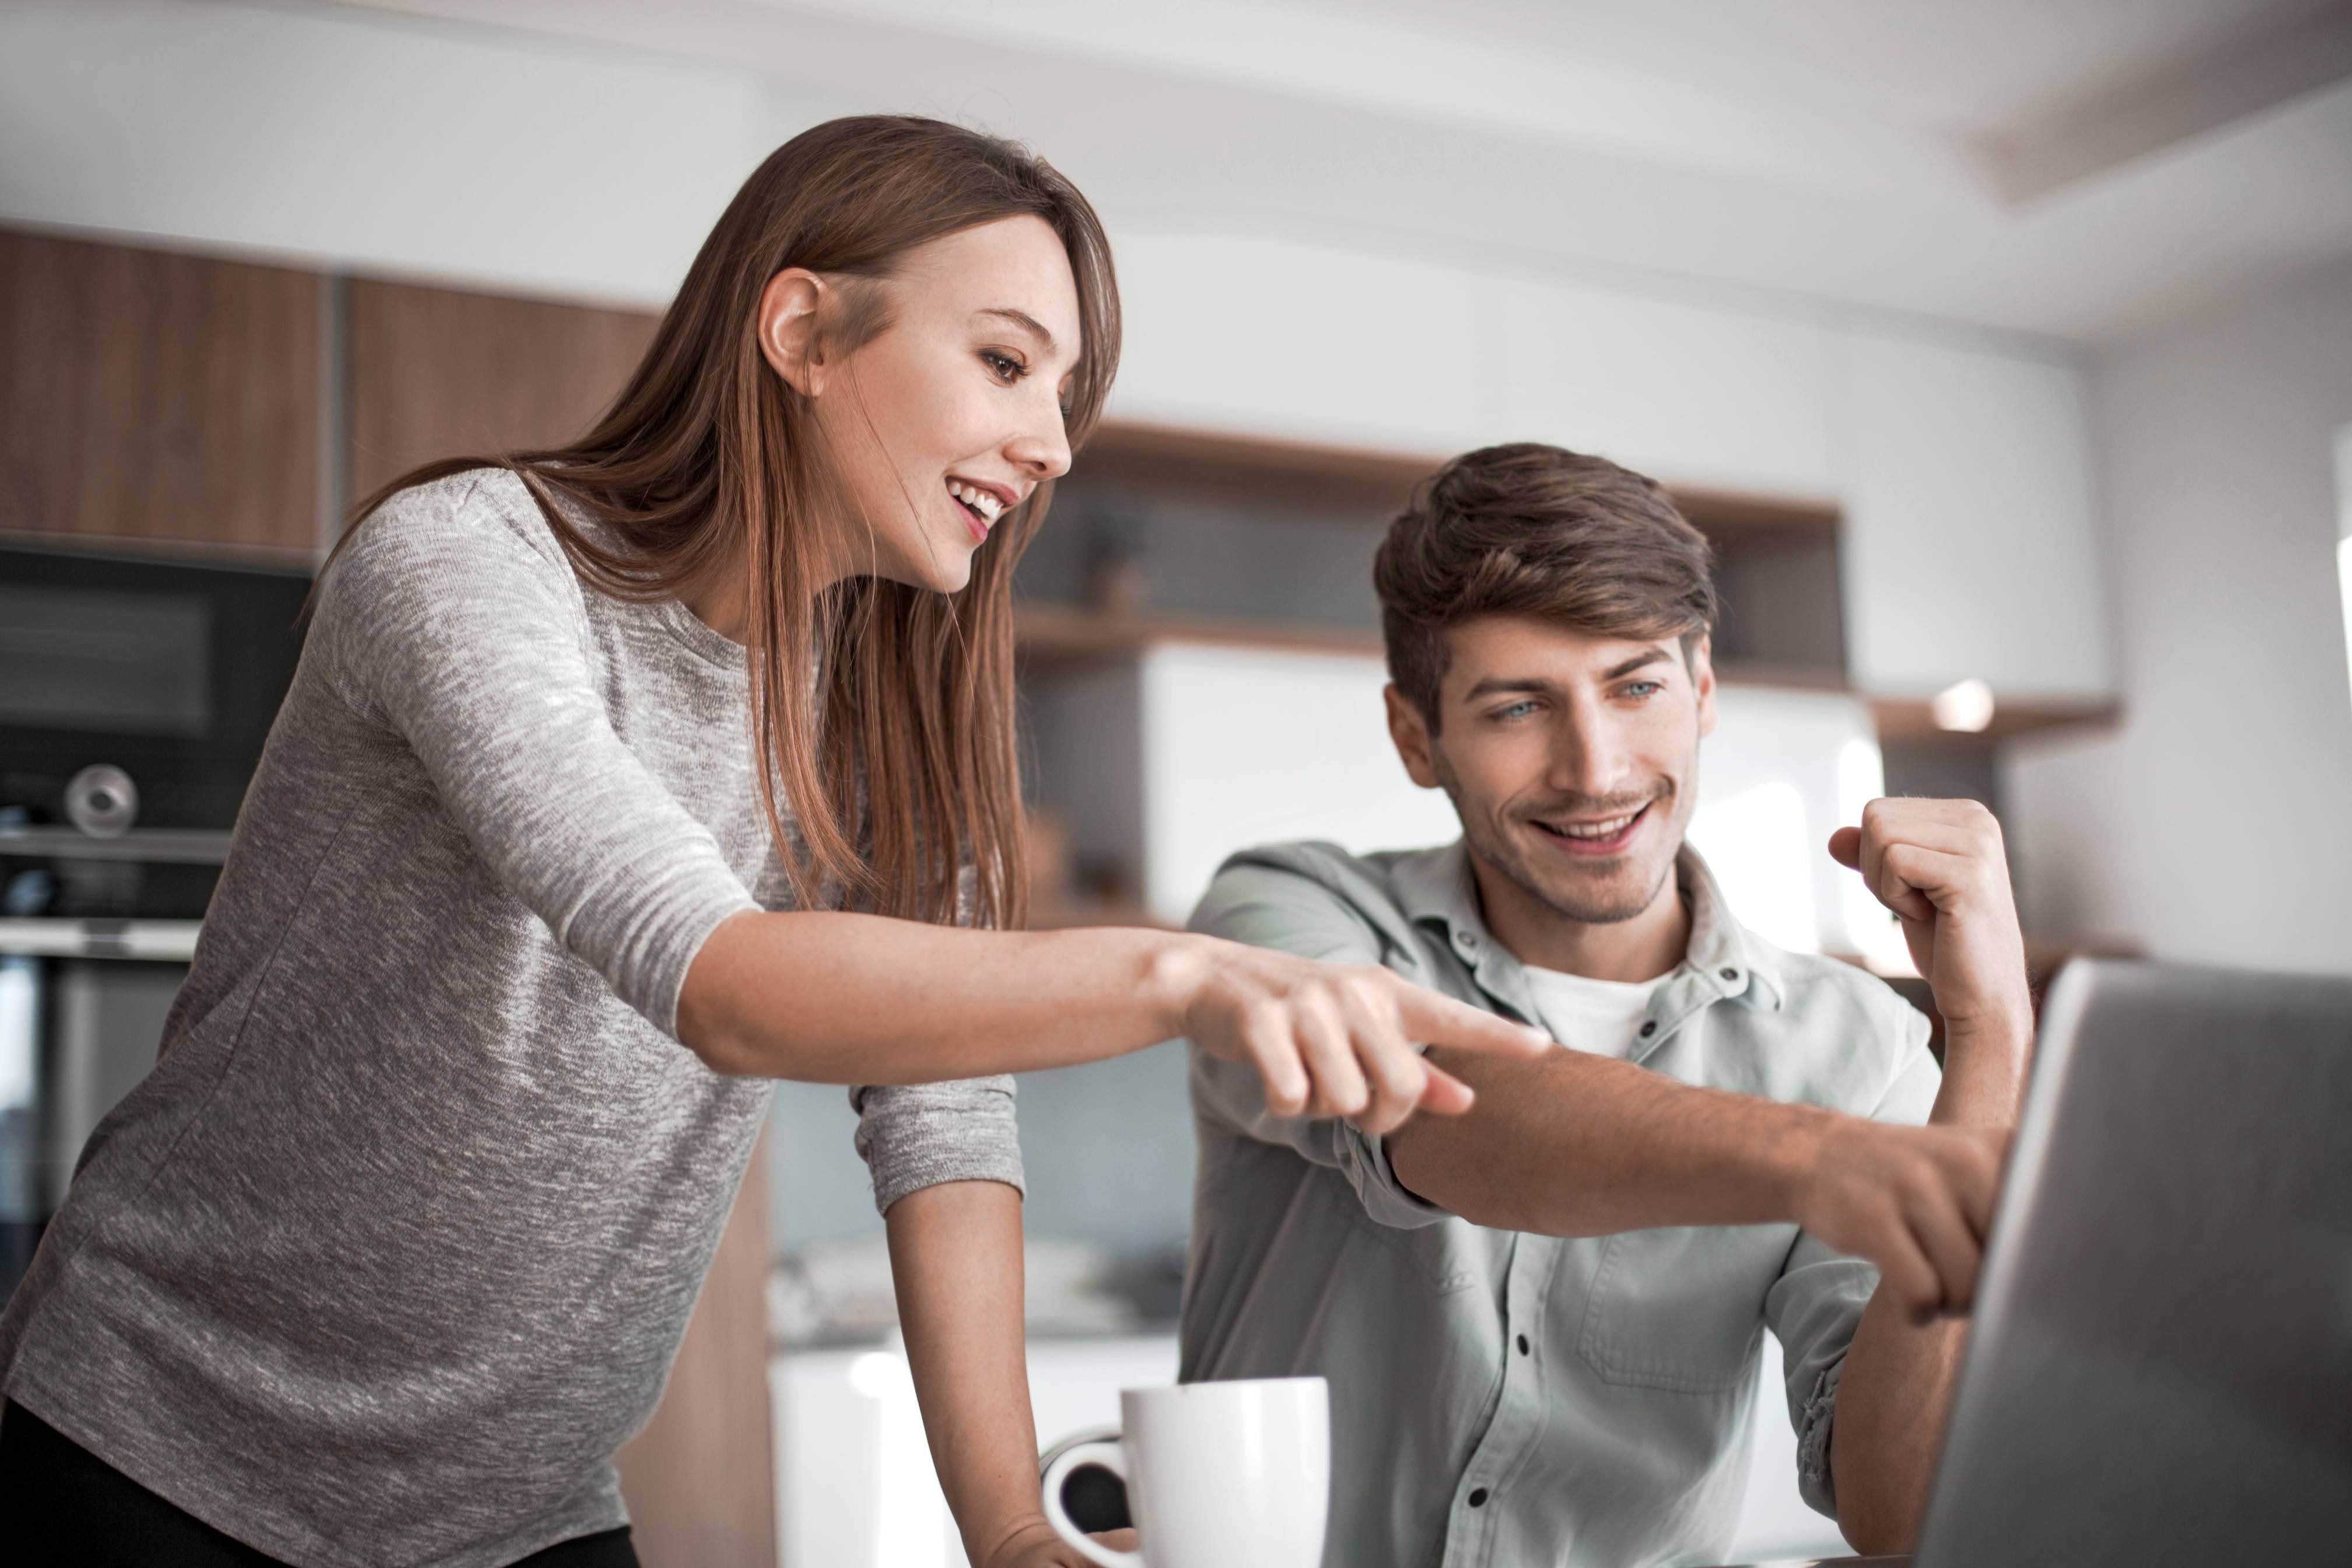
[[463, 629], [921, 1135]]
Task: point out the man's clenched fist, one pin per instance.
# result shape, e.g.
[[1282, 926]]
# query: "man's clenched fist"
[[1939, 866]]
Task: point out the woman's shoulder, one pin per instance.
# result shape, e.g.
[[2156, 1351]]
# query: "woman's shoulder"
[[478, 531], [479, 509]]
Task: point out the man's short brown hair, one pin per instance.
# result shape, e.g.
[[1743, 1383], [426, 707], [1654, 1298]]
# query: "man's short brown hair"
[[1535, 530]]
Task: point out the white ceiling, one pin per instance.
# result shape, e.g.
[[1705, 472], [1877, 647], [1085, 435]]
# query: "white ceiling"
[[2071, 167], [1975, 68]]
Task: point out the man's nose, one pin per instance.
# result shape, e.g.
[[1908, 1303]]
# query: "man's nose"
[[1587, 757]]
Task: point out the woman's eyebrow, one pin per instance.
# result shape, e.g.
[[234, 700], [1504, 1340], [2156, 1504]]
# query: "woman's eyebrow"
[[1022, 320]]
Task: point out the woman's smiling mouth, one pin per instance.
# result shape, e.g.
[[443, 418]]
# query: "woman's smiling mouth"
[[983, 505]]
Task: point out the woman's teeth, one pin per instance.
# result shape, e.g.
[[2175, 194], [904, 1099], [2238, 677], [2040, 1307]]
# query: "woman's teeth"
[[986, 503]]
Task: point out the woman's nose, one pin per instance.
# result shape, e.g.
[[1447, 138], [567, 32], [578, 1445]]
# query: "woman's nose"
[[1043, 449]]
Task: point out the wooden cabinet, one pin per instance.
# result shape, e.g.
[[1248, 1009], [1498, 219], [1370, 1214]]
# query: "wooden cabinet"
[[1971, 536], [700, 1479], [148, 396], [1296, 343], [444, 372], [1698, 395]]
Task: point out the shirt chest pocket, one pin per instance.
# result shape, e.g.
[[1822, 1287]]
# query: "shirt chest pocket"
[[1681, 1310]]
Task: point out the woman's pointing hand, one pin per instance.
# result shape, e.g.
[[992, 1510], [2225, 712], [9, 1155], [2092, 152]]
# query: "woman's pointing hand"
[[1340, 1039]]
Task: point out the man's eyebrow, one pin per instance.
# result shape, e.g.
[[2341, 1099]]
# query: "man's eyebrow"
[[1495, 684], [1650, 656], [1024, 320]]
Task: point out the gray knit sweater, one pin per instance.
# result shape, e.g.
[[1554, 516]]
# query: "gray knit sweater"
[[394, 1248]]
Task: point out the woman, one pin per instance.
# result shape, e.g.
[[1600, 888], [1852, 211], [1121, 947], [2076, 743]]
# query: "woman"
[[392, 1249]]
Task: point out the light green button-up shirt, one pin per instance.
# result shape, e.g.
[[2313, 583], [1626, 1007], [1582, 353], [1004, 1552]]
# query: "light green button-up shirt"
[[1502, 1399]]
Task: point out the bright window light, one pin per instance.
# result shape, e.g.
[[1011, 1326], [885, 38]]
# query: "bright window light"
[[2344, 529], [1760, 851], [1965, 706], [910, 1515], [1870, 928], [2344, 580], [20, 1038]]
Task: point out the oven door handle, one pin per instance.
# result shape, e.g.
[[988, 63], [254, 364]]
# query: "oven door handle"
[[168, 941]]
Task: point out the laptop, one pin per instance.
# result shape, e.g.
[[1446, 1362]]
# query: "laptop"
[[2160, 1368]]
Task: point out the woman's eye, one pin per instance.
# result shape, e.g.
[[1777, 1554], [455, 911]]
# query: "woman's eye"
[[1005, 367]]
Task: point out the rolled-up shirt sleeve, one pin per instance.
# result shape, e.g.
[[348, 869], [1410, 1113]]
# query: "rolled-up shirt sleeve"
[[463, 629], [920, 1135], [1817, 1303], [1269, 907]]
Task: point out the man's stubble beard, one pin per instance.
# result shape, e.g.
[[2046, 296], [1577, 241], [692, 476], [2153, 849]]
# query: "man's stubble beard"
[[1492, 844]]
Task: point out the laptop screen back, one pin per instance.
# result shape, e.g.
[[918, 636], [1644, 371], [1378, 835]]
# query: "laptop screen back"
[[2160, 1368]]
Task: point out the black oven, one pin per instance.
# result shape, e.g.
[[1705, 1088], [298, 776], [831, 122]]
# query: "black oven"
[[135, 694], [168, 672]]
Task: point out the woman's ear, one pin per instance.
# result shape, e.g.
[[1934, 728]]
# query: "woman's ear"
[[788, 334]]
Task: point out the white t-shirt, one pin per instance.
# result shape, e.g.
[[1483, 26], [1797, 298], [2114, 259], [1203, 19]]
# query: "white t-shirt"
[[1603, 1016]]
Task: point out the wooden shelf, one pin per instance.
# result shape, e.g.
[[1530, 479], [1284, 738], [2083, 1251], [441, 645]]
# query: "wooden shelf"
[[1367, 484], [1913, 719], [1052, 638]]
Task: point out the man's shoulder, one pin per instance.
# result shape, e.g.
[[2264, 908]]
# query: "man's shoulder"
[[1816, 980], [1857, 1034], [1309, 883]]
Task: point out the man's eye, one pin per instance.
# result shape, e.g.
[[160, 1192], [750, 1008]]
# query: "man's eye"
[[1642, 689], [1005, 367], [1516, 710]]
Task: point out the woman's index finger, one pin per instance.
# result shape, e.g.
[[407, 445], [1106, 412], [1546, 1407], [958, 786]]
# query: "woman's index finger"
[[1431, 1019]]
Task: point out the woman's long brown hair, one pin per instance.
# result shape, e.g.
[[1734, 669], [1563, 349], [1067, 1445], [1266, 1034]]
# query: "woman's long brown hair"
[[882, 715]]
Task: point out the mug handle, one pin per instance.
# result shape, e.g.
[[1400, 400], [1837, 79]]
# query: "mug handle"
[[1106, 1452]]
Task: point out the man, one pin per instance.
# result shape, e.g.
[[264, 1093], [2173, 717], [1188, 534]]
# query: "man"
[[1540, 1321]]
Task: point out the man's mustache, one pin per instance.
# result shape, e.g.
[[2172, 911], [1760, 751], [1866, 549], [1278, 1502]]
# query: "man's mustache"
[[1596, 804]]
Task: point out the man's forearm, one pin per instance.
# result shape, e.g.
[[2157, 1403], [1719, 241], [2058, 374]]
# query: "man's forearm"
[[1575, 1144], [955, 1255], [1896, 1390], [1984, 1074]]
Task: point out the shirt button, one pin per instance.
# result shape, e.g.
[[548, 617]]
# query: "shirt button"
[[1649, 1027], [1523, 1344], [1731, 974], [1478, 1497]]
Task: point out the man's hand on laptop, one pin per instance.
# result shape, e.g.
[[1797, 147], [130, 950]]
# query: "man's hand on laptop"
[[1331, 1039], [1916, 1201], [1939, 866]]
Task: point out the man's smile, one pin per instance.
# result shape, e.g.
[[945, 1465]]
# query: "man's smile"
[[1591, 837]]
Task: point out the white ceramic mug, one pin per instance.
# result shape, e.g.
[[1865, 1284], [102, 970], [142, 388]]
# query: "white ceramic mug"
[[1219, 1475]]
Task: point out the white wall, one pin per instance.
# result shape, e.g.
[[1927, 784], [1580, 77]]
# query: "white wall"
[[392, 145], [2217, 824], [1242, 747]]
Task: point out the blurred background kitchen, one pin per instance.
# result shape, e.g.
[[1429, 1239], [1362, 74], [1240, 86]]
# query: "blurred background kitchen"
[[2005, 351]]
